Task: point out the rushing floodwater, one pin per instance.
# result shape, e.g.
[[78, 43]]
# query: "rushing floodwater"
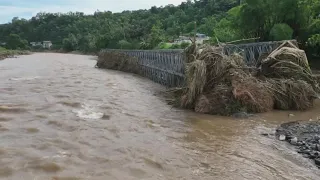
[[62, 119]]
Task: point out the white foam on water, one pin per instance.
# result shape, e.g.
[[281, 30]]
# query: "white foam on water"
[[24, 78], [88, 112]]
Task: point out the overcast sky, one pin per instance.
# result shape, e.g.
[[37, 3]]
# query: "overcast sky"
[[28, 8]]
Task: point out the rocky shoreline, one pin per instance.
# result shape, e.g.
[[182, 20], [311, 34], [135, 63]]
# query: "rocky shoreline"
[[305, 136]]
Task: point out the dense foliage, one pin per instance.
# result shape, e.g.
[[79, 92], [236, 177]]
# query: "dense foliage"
[[223, 20]]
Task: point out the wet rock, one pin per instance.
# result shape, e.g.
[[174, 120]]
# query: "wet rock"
[[307, 151], [291, 115], [312, 155], [305, 155], [294, 141], [305, 135], [266, 134], [313, 146], [282, 137]]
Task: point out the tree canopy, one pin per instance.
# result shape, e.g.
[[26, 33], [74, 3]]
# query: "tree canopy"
[[223, 20]]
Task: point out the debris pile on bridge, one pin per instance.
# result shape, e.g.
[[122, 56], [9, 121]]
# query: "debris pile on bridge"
[[117, 61], [221, 84]]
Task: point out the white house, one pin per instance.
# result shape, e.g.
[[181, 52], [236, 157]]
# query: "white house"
[[47, 44], [44, 44], [182, 39], [200, 38], [35, 44]]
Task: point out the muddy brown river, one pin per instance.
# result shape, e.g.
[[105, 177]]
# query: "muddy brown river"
[[63, 119]]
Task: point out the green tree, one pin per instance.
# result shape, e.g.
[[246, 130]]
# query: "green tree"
[[227, 29], [314, 43], [15, 42], [123, 44], [281, 32], [87, 43], [157, 34], [70, 43], [225, 19]]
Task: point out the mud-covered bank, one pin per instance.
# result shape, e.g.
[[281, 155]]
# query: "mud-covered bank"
[[305, 136]]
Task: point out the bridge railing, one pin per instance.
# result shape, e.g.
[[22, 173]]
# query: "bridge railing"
[[252, 51], [162, 66]]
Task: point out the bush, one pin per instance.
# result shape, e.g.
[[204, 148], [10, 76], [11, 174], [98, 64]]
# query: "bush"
[[184, 45], [70, 43], [314, 44], [164, 46], [56, 47], [124, 44], [15, 42], [281, 32]]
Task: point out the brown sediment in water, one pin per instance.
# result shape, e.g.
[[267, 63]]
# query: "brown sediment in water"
[[5, 119], [66, 178], [3, 129], [5, 172], [175, 144], [71, 104], [32, 130], [48, 167], [41, 116], [11, 109]]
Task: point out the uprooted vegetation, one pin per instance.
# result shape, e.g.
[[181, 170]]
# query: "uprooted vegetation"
[[118, 61], [223, 85]]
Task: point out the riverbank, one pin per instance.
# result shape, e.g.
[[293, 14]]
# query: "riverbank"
[[305, 136], [4, 53], [64, 52]]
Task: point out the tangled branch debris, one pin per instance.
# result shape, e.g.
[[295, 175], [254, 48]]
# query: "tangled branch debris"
[[117, 61], [221, 84]]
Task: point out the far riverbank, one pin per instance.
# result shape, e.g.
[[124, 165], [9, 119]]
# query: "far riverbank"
[[4, 53]]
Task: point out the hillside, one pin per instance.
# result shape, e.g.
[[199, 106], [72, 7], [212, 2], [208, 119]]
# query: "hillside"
[[225, 20]]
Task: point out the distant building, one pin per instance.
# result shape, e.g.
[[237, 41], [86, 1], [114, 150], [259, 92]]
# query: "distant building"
[[44, 44], [182, 39], [200, 38], [47, 44], [33, 44]]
